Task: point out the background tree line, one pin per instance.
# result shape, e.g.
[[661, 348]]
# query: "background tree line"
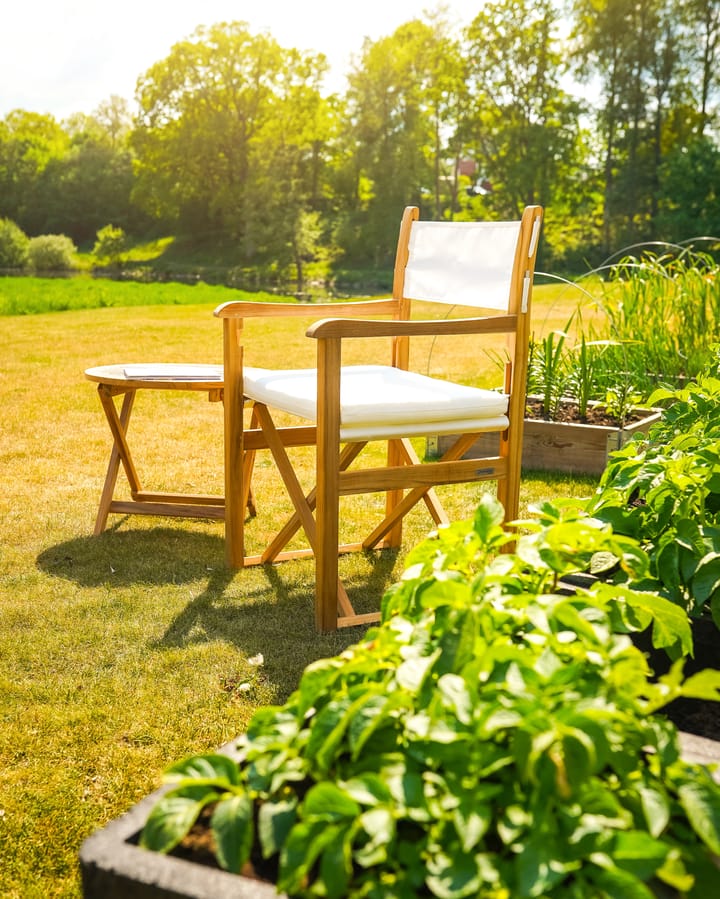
[[604, 111]]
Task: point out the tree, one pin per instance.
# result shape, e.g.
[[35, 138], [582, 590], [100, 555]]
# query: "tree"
[[689, 202], [28, 142], [231, 128], [79, 192], [525, 127], [402, 134], [640, 53], [114, 118], [704, 22]]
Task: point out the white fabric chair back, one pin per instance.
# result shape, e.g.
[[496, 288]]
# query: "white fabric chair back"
[[461, 263]]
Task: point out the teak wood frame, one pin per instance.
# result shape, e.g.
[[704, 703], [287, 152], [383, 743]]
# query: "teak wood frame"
[[404, 471], [115, 388]]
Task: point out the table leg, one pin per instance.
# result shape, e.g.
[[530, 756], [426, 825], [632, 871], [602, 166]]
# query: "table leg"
[[120, 452]]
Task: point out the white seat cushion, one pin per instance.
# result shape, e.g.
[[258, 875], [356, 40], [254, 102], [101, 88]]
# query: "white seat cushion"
[[379, 401]]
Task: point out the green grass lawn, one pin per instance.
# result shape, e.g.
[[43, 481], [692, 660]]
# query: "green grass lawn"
[[124, 652]]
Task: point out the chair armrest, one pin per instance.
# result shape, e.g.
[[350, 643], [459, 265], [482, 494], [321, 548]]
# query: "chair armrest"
[[253, 309], [330, 328]]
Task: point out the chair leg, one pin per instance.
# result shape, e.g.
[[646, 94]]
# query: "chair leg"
[[508, 488], [393, 536], [336, 595], [328, 484], [234, 403], [248, 498]]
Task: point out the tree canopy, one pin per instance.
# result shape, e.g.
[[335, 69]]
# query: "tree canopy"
[[603, 111]]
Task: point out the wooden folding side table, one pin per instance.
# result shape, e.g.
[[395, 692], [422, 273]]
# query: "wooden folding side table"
[[125, 380]]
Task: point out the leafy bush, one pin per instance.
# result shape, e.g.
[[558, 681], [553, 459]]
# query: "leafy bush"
[[110, 245], [664, 489], [493, 737], [13, 245], [52, 253]]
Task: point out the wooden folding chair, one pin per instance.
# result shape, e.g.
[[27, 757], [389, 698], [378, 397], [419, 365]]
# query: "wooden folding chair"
[[485, 265]]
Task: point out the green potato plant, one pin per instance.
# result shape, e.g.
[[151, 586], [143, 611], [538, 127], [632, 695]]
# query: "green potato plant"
[[664, 490], [496, 736]]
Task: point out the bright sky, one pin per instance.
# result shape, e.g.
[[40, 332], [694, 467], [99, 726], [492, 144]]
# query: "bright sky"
[[67, 56]]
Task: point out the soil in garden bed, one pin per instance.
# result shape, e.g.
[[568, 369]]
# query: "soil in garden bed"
[[198, 847], [694, 716], [569, 413]]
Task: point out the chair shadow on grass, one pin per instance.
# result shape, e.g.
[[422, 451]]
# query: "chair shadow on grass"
[[253, 609]]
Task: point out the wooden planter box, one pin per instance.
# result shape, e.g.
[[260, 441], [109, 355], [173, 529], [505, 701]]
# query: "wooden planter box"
[[113, 866], [558, 446]]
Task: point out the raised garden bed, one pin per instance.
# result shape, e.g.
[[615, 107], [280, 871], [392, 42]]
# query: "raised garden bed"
[[113, 866], [568, 446]]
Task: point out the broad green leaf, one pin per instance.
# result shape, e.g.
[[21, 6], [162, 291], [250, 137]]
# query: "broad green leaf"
[[567, 614], [379, 825], [317, 679], [472, 820], [328, 801], [171, 818], [213, 766], [619, 884], [326, 732], [302, 848], [446, 592], [459, 875], [365, 720], [408, 791], [656, 809], [368, 789], [232, 827], [701, 803], [706, 579], [411, 674], [336, 865], [456, 695], [667, 562], [639, 853], [515, 822], [488, 516], [675, 873], [670, 621], [537, 870], [272, 724], [274, 822], [579, 757], [703, 685]]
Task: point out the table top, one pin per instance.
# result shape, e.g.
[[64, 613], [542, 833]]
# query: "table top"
[[158, 376]]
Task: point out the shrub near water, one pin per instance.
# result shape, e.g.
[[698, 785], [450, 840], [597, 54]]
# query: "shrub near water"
[[13, 245], [52, 253], [491, 738]]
